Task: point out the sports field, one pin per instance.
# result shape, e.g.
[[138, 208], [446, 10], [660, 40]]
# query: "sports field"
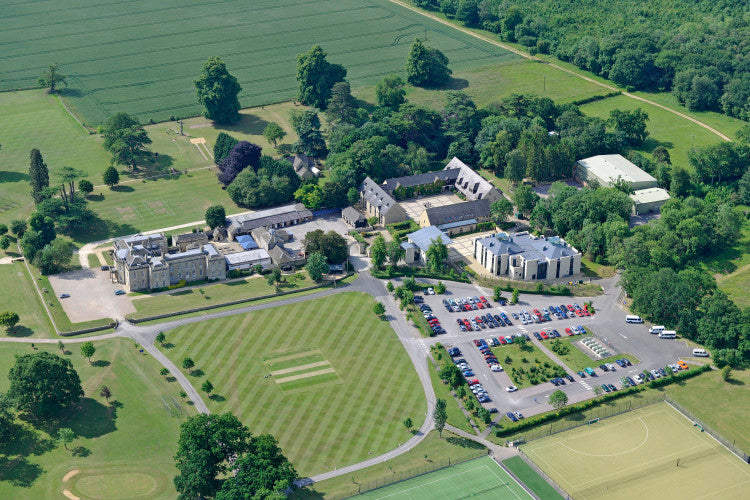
[[478, 478], [141, 56], [633, 455], [327, 377]]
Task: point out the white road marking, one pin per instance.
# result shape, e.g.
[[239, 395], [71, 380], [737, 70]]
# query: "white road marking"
[[623, 336]]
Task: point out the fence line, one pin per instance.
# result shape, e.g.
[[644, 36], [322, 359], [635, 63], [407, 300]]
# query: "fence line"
[[404, 475], [718, 437]]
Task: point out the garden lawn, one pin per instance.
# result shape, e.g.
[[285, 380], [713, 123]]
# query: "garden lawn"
[[21, 297], [731, 268], [210, 294], [511, 358], [34, 119], [666, 129], [154, 50], [456, 417], [578, 360], [593, 270], [428, 454], [723, 406], [323, 424], [130, 443]]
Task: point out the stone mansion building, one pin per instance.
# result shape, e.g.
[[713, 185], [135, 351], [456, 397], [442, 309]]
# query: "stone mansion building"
[[143, 263]]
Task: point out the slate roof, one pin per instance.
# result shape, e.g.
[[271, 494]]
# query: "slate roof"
[[376, 195], [447, 176], [459, 212], [470, 183], [532, 248], [263, 218], [351, 214], [424, 237]]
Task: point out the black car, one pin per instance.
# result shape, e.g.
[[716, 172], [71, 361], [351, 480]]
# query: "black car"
[[538, 337], [493, 410], [418, 299], [570, 377], [604, 367], [454, 351], [554, 381]]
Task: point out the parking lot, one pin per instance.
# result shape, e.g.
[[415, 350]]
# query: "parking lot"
[[92, 295], [607, 325]]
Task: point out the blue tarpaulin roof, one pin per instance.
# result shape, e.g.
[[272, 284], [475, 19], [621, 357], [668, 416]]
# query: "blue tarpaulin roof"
[[247, 242]]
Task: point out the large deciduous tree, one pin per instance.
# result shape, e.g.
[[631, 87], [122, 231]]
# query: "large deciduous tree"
[[51, 78], [390, 92], [38, 175], [111, 176], [440, 415], [216, 216], [426, 66], [501, 209], [223, 146], [316, 77], [9, 319], [126, 139], [317, 266], [307, 126], [273, 133], [206, 447], [44, 384], [558, 399], [631, 123], [217, 91], [330, 244], [244, 154]]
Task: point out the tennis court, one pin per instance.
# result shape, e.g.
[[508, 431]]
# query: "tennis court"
[[480, 478], [640, 452]]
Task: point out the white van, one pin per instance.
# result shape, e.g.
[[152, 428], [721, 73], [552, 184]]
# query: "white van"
[[656, 329], [668, 334], [700, 353], [630, 318]]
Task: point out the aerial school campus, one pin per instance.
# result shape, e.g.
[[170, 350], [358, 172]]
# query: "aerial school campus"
[[373, 248]]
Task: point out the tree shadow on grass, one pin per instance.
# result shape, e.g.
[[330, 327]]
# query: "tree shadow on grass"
[[248, 124], [197, 373], [19, 471], [122, 188], [217, 397], [10, 176], [89, 419], [736, 382], [463, 442], [101, 363], [650, 144], [168, 345], [20, 331]]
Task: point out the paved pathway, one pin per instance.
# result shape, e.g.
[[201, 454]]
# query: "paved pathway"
[[569, 71]]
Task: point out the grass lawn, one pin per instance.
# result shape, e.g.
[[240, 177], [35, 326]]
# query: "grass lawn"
[[34, 119], [593, 270], [637, 453], [531, 478], [130, 443], [731, 268], [490, 83], [456, 417], [23, 300], [429, 454], [511, 358], [93, 261], [154, 50], [723, 406], [206, 295], [677, 134], [577, 360], [356, 416]]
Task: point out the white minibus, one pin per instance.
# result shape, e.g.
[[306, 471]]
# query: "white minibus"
[[630, 318]]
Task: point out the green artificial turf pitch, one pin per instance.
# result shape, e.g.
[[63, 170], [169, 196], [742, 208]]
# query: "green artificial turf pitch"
[[480, 478]]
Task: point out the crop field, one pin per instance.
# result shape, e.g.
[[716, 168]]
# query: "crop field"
[[637, 453], [326, 373], [142, 56]]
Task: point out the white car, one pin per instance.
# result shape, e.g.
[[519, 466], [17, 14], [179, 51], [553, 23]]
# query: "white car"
[[655, 374], [496, 368], [430, 291], [511, 388], [638, 379]]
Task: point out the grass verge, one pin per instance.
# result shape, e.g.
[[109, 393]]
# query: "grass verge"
[[526, 366], [531, 479], [576, 359]]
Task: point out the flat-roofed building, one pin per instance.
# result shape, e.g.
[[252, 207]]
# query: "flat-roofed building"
[[648, 200], [607, 169], [248, 259], [524, 257], [287, 215]]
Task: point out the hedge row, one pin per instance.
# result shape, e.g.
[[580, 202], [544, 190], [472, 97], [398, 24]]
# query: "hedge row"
[[585, 405], [595, 98], [417, 273]]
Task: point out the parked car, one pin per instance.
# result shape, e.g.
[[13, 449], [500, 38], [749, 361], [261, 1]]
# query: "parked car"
[[511, 388], [581, 374], [512, 416], [612, 387], [119, 292], [430, 291], [570, 377], [605, 388], [105, 268], [496, 368], [64, 295]]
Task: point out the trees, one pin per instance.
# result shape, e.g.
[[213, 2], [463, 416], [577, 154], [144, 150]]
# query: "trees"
[[426, 66], [316, 77], [515, 166], [224, 145], [54, 257], [440, 415], [720, 162], [307, 126], [160, 338], [500, 210], [726, 373], [408, 424], [216, 216], [4, 243], [274, 277], [436, 256], [378, 252], [111, 176], [514, 296], [394, 252], [51, 78], [207, 387], [342, 106], [317, 266], [525, 198], [244, 154], [390, 92], [631, 123], [217, 91], [440, 288], [188, 364], [262, 472], [126, 139], [330, 244], [88, 350], [38, 175], [9, 319], [65, 436], [44, 384], [558, 399], [41, 233], [18, 227], [85, 186], [274, 183], [378, 308], [273, 133], [106, 393], [206, 445]]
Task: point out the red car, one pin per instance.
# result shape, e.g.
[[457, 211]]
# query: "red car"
[[579, 313], [472, 382], [502, 341], [536, 311], [483, 299], [544, 334], [571, 308], [477, 343], [569, 331], [586, 313], [480, 305]]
